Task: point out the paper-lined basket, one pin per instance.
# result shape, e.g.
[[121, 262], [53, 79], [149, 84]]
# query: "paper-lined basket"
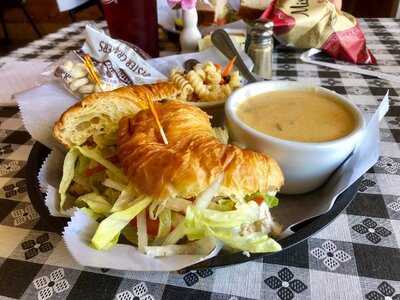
[[50, 100]]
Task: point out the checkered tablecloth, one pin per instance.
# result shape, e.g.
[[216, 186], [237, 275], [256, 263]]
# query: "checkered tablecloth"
[[356, 257]]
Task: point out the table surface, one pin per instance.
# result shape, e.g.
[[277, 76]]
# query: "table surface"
[[356, 257]]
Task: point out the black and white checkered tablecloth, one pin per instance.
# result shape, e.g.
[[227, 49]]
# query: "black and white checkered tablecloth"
[[356, 257]]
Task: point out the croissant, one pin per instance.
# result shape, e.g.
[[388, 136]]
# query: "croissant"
[[96, 117], [193, 158]]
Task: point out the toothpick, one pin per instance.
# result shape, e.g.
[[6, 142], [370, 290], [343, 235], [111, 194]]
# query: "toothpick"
[[87, 61], [155, 115]]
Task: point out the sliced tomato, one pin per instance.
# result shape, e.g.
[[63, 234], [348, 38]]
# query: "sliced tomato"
[[114, 159], [95, 170], [259, 200], [100, 168], [152, 225]]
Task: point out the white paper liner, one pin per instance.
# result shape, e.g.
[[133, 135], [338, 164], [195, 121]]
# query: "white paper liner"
[[167, 63], [49, 178], [40, 108], [77, 236], [42, 176], [51, 171]]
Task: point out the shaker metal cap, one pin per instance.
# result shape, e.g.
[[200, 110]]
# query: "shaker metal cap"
[[263, 25], [262, 30]]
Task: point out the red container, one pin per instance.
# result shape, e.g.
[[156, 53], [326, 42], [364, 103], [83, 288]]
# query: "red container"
[[134, 21]]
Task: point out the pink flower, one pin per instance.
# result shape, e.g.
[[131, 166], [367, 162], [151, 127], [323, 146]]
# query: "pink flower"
[[185, 4]]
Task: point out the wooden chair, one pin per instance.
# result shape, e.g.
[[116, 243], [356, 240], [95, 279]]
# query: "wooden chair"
[[72, 12], [6, 4]]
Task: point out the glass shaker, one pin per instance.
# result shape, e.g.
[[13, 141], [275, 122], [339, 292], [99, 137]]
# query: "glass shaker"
[[259, 46]]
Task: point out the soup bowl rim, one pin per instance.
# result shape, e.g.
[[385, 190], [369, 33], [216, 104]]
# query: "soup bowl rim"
[[235, 99]]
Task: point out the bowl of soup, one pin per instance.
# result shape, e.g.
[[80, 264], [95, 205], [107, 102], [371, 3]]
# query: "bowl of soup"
[[308, 129]]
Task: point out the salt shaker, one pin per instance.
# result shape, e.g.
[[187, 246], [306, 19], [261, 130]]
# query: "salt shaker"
[[260, 45]]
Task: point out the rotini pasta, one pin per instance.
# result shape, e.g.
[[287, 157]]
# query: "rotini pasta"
[[199, 70], [186, 88], [205, 83], [213, 75], [198, 85], [234, 81]]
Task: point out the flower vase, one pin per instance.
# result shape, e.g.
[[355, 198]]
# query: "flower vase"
[[190, 34]]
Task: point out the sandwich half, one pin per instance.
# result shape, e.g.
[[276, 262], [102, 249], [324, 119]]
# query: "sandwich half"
[[220, 191]]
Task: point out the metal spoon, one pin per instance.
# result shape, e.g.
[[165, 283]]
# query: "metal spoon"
[[223, 43]]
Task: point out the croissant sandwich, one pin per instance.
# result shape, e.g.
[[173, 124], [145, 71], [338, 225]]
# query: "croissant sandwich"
[[193, 158], [183, 197]]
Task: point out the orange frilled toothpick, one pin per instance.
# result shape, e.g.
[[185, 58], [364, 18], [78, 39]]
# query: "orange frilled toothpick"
[[94, 76], [155, 115]]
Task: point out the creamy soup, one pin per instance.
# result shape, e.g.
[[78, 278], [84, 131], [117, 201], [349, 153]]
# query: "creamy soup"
[[304, 116]]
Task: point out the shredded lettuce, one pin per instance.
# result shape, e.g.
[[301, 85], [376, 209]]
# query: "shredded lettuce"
[[244, 213], [98, 157], [91, 213], [225, 226], [221, 134], [198, 220], [143, 238], [125, 199], [178, 204], [68, 174], [164, 227], [130, 233], [271, 201], [111, 227], [200, 247], [175, 235], [95, 202], [222, 205], [176, 218], [114, 184], [111, 243], [256, 242], [156, 207], [204, 199], [82, 165], [111, 195]]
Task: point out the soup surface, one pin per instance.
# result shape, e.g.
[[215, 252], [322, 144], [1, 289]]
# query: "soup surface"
[[304, 116]]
